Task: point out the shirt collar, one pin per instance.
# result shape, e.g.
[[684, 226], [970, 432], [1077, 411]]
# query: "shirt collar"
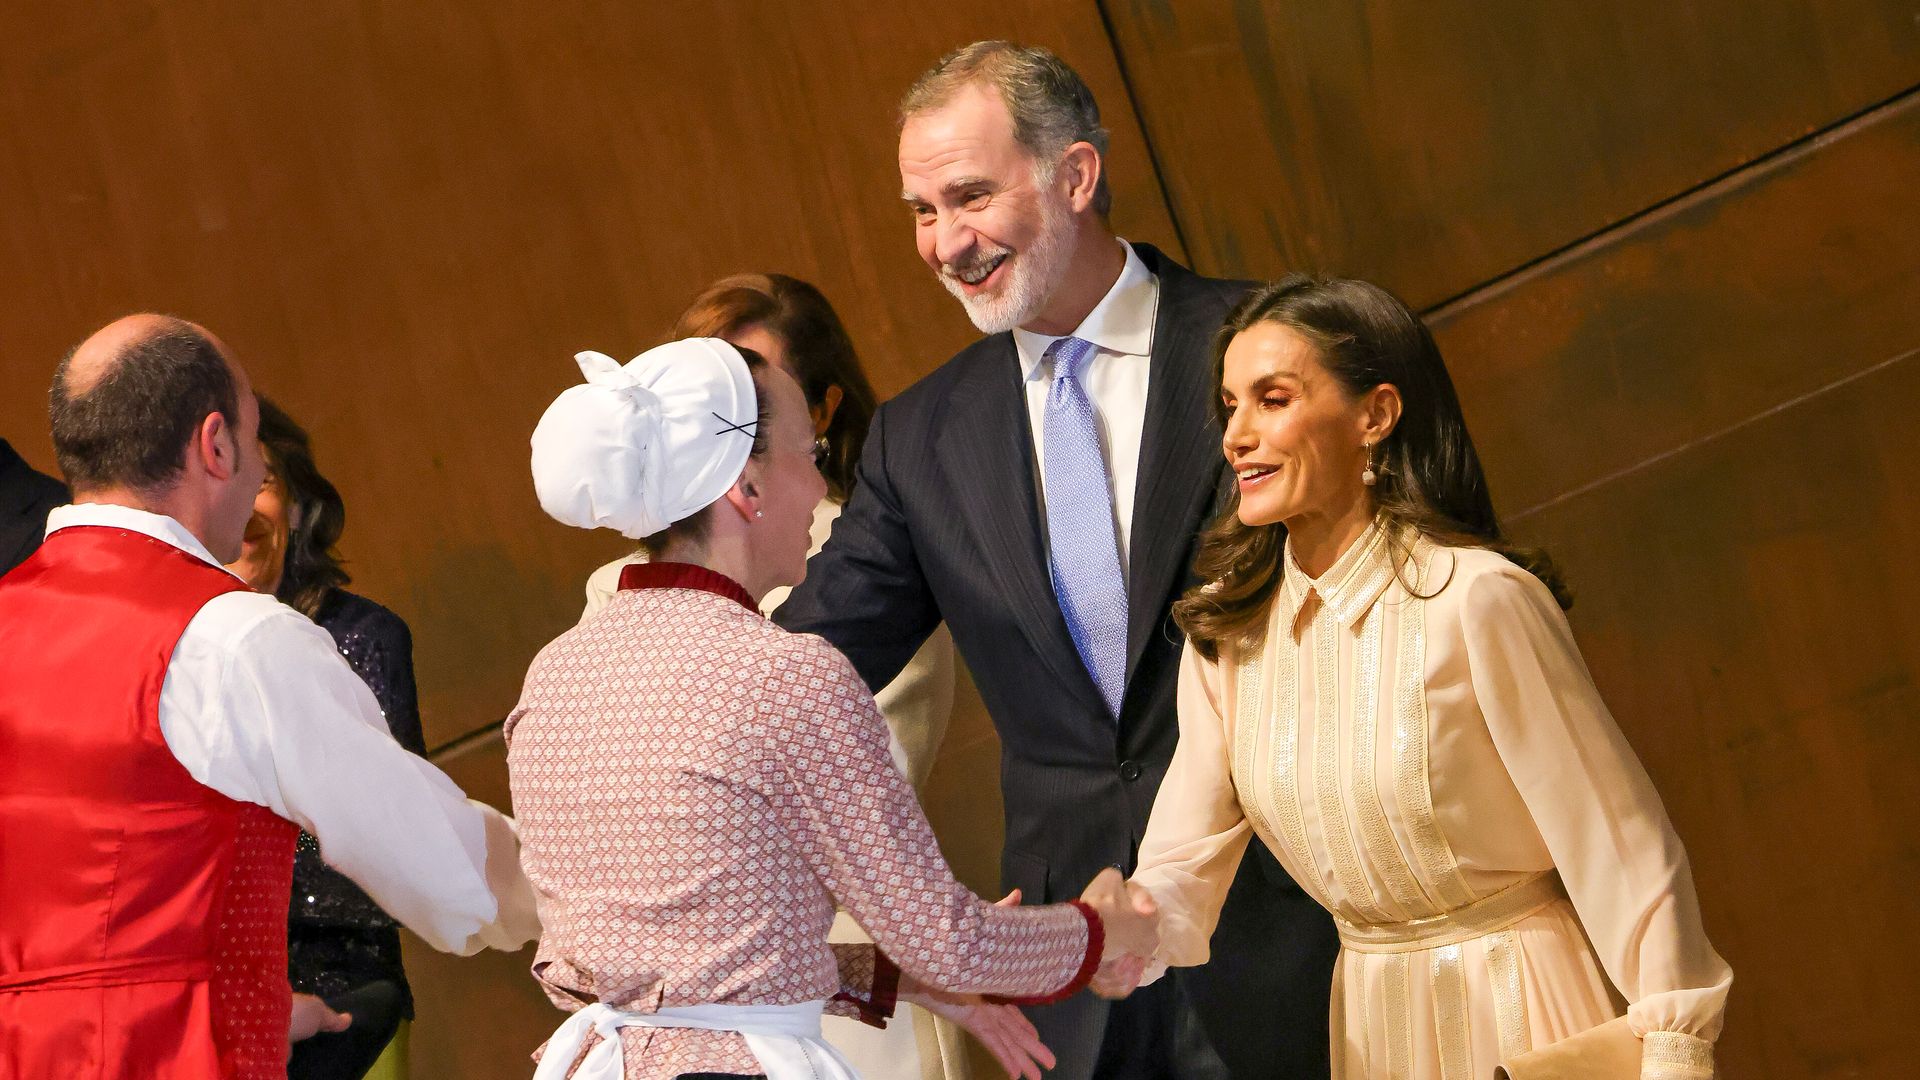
[[1122, 322], [114, 516], [679, 575], [1348, 588]]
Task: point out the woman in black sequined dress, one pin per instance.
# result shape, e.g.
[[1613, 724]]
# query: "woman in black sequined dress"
[[341, 947]]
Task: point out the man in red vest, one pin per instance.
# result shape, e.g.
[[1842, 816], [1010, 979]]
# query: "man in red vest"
[[164, 734]]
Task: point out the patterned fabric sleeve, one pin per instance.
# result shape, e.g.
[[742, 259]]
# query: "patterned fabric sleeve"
[[833, 787]]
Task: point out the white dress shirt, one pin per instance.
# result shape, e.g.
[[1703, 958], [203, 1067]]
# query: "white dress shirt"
[[259, 705], [1121, 330]]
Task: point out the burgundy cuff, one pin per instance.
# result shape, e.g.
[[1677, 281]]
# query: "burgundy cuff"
[[877, 1008], [886, 988], [1096, 944]]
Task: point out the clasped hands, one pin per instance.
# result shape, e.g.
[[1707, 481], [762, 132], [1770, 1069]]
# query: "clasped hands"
[[1132, 923]]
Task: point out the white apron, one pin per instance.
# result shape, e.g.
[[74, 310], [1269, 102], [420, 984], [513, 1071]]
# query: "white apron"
[[784, 1038]]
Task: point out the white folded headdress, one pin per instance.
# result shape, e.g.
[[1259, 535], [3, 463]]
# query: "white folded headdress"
[[647, 443]]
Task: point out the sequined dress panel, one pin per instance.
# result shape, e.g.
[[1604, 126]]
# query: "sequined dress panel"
[[338, 937], [1427, 755]]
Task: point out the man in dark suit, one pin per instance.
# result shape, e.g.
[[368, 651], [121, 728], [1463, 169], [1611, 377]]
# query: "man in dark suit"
[[1041, 492], [25, 498]]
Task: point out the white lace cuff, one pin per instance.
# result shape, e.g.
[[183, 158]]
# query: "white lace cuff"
[[1673, 1055]]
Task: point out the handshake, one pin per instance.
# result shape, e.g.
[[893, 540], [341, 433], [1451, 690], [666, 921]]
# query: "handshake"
[[1132, 924]]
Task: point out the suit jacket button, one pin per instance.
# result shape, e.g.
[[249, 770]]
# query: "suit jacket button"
[[1129, 771]]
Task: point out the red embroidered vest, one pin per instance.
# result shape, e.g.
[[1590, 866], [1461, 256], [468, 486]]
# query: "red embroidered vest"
[[143, 915]]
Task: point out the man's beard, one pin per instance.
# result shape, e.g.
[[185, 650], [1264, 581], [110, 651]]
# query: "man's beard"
[[1036, 272]]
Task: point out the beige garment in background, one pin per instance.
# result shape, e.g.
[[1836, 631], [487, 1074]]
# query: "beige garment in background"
[[1442, 775], [917, 704]]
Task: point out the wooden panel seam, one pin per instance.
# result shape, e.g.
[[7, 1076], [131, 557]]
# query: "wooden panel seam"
[[466, 743], [1710, 437], [1782, 157], [1146, 137]]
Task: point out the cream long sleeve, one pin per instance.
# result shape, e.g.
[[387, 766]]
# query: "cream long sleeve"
[[1198, 832], [1594, 805]]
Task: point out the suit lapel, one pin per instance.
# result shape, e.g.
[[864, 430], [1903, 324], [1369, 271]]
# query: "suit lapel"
[[986, 451], [1180, 460]]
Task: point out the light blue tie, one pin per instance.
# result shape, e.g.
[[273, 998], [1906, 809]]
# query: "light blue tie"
[[1083, 549]]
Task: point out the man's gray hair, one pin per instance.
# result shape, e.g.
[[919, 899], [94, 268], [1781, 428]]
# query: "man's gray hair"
[[1051, 107]]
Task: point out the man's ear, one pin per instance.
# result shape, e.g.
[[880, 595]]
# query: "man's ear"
[[1081, 167], [217, 447]]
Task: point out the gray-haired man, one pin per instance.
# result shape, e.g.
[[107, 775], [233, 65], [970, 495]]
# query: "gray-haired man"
[[1040, 492]]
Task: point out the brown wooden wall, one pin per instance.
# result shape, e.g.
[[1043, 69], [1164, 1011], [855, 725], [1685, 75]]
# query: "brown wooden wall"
[[1671, 252]]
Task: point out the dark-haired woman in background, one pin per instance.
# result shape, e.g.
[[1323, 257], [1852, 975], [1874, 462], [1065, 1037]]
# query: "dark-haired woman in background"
[[1388, 694], [341, 947], [791, 324]]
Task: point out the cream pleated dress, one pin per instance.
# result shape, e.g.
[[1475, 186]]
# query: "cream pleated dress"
[[1427, 755]]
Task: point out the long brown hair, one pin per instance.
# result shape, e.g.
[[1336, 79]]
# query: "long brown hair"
[[818, 348], [1430, 480], [313, 567]]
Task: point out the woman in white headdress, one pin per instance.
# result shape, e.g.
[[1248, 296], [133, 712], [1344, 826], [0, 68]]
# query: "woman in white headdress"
[[697, 789], [791, 324]]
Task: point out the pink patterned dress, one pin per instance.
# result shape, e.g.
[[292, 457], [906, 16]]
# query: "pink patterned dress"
[[696, 788]]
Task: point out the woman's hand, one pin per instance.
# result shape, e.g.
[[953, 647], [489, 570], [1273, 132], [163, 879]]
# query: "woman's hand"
[[1003, 1029], [311, 1016], [1132, 924]]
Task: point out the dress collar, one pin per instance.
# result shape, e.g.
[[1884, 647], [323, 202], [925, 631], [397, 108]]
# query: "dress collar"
[[679, 575], [1349, 588], [113, 516], [1122, 322]]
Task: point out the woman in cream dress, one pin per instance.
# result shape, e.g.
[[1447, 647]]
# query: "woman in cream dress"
[[790, 322], [1389, 697]]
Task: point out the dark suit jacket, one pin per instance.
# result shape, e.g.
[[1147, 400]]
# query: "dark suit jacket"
[[25, 498], [944, 524]]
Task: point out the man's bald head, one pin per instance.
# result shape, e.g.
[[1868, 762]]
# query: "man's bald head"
[[127, 401]]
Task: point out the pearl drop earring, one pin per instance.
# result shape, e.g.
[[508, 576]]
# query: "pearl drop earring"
[[1367, 475]]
